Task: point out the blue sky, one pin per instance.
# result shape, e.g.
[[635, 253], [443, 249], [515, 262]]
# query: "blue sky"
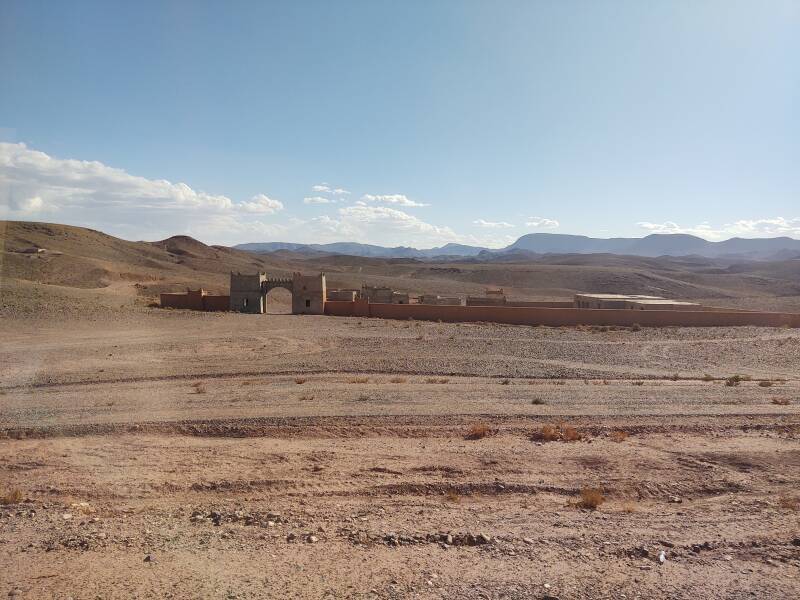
[[446, 121]]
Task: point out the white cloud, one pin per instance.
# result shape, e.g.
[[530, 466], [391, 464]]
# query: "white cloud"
[[541, 223], [753, 228], [90, 193], [398, 199], [36, 186], [321, 188], [318, 200], [261, 204], [340, 192], [394, 226], [492, 224]]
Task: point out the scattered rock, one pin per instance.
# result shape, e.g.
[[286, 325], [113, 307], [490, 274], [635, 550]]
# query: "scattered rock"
[[528, 541], [149, 558]]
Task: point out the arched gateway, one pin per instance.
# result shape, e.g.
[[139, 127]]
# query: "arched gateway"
[[249, 292]]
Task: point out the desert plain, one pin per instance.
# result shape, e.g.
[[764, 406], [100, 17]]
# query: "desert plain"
[[150, 453]]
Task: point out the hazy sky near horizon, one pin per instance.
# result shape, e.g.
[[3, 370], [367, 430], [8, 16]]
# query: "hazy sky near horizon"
[[418, 123]]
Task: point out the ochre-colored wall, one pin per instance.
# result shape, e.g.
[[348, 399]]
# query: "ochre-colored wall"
[[215, 303], [561, 316]]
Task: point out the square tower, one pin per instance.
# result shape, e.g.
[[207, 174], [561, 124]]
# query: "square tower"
[[308, 294], [247, 293]]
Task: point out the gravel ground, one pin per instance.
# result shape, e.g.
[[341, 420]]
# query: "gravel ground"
[[169, 454]]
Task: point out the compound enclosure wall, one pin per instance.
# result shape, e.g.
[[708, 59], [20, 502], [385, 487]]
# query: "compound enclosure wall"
[[562, 316]]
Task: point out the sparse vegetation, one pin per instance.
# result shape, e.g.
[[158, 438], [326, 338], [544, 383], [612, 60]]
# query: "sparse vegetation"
[[199, 387], [554, 433], [629, 507], [299, 380], [398, 379], [637, 383], [452, 496], [636, 327], [478, 431], [363, 398], [789, 502], [707, 377], [765, 383], [306, 397], [538, 401], [505, 382], [436, 380], [733, 381], [781, 401], [359, 380], [11, 497], [618, 435], [591, 498]]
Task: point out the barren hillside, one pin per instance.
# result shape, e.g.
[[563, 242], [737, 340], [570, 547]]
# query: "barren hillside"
[[75, 257]]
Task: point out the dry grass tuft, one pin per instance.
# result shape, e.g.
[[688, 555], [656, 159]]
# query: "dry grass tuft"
[[12, 497], [618, 436], [199, 387], [300, 380], [398, 379], [538, 401], [781, 401], [789, 502], [707, 377], [591, 498], [556, 433], [733, 380], [636, 327], [637, 383], [436, 380], [505, 382], [478, 431], [452, 496], [359, 380]]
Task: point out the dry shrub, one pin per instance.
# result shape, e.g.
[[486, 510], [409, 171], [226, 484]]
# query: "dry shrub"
[[555, 433], [538, 401], [733, 380], [398, 379], [675, 377], [363, 398], [436, 380], [789, 502], [452, 496], [306, 397], [636, 327], [591, 498], [11, 497], [359, 380], [629, 507], [781, 401], [618, 436], [707, 377], [478, 431], [300, 380], [765, 383], [637, 383], [199, 387], [505, 382], [605, 381], [559, 382]]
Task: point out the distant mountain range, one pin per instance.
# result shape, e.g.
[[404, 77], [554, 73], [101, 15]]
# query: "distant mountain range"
[[555, 243]]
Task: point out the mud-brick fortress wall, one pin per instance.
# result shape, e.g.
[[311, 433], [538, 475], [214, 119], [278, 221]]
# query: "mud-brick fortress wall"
[[195, 300], [518, 315]]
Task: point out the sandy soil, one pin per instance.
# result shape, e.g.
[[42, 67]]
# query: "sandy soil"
[[170, 454]]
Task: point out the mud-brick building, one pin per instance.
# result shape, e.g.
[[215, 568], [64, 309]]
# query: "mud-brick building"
[[247, 293], [308, 294]]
